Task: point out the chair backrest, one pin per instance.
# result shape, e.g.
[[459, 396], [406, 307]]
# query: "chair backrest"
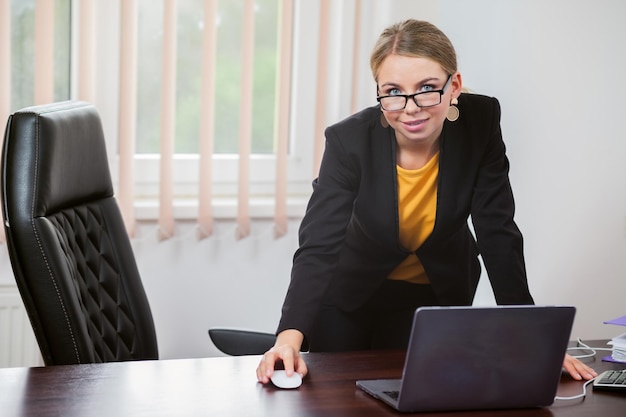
[[239, 342], [69, 249]]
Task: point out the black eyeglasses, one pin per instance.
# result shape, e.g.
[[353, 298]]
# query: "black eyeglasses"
[[422, 99]]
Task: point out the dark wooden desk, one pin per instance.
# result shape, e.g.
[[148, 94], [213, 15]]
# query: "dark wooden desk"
[[228, 387]]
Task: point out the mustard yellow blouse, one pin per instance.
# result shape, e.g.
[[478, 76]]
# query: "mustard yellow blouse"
[[417, 205]]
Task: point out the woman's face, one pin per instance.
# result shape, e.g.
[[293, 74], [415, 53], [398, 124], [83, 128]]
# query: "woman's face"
[[409, 75]]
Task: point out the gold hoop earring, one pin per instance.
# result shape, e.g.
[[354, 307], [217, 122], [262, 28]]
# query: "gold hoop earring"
[[453, 111]]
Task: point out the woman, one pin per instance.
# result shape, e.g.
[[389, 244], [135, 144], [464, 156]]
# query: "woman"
[[386, 226]]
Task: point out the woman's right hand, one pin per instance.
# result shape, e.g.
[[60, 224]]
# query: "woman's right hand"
[[287, 350]]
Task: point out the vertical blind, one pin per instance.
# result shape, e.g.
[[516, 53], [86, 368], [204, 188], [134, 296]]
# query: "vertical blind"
[[207, 123], [245, 119], [168, 122], [44, 51], [127, 110], [281, 115], [127, 97], [322, 79]]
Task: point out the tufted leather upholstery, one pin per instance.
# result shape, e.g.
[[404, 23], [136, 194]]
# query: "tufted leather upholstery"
[[68, 246]]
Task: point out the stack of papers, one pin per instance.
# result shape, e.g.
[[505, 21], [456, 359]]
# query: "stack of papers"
[[619, 348], [619, 342]]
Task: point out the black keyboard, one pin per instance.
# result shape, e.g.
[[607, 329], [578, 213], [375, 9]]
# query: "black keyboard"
[[611, 380], [392, 394]]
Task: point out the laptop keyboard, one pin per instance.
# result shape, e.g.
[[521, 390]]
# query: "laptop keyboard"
[[392, 394], [611, 380]]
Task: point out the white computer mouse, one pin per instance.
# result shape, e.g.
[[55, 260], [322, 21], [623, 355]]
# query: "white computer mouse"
[[281, 380]]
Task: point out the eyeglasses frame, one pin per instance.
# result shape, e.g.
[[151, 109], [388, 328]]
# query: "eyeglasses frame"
[[412, 96]]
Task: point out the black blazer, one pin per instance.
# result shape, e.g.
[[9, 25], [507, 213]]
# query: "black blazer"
[[349, 238]]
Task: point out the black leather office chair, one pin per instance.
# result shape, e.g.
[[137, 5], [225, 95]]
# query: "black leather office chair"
[[236, 342], [70, 253]]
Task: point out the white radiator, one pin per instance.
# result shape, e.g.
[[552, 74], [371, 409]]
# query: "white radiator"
[[18, 346]]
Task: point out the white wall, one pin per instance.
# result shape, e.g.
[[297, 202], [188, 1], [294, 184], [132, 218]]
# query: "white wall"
[[557, 67], [217, 282]]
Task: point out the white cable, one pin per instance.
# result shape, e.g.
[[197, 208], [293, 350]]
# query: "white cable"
[[574, 397], [584, 346]]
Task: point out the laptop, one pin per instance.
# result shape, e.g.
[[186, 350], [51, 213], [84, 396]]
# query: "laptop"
[[479, 358]]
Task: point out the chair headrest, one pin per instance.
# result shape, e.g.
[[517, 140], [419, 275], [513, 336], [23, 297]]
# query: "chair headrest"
[[62, 156]]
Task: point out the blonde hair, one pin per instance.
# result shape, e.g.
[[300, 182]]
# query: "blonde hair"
[[414, 38]]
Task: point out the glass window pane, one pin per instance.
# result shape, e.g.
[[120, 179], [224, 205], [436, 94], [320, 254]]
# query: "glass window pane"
[[149, 37], [265, 67], [22, 53], [62, 49], [189, 75]]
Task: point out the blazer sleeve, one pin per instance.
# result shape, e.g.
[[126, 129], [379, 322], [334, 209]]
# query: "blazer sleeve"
[[499, 239], [321, 235]]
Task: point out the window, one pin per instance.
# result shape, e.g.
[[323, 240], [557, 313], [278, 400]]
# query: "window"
[[304, 111], [228, 77]]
